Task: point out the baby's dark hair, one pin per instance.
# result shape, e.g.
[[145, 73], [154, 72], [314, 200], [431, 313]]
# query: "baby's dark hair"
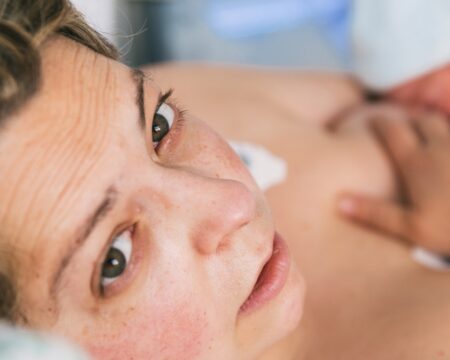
[[25, 25]]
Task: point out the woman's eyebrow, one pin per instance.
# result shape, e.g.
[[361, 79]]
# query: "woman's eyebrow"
[[138, 78], [82, 234]]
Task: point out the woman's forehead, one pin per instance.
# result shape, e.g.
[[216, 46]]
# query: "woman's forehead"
[[55, 153], [79, 83]]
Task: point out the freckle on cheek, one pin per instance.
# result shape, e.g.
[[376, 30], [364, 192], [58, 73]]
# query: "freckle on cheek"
[[179, 332], [185, 333]]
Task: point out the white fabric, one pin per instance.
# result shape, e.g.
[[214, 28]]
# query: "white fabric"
[[18, 344], [101, 14], [398, 40], [430, 259], [267, 169]]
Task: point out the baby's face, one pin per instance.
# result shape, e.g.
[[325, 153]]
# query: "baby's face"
[[139, 236]]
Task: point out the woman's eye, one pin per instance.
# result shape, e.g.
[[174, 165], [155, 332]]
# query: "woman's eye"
[[162, 123], [117, 259]]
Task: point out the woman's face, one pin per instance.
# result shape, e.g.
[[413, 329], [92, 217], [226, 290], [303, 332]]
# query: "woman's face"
[[138, 232]]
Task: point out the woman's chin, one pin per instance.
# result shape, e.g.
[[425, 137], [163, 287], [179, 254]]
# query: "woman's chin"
[[292, 302]]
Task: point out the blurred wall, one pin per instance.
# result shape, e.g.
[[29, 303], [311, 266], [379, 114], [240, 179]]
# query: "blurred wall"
[[287, 33], [101, 14]]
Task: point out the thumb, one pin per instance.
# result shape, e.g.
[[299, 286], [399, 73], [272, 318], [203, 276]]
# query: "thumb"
[[382, 215]]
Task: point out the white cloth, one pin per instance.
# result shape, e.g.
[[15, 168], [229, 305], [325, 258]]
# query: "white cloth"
[[430, 259], [19, 344], [398, 40], [266, 168]]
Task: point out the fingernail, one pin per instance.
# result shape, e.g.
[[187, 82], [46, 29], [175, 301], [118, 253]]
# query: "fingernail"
[[348, 206]]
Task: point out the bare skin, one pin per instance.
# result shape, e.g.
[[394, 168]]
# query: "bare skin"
[[365, 297]]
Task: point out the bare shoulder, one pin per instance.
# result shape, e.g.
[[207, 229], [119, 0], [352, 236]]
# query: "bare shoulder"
[[220, 93]]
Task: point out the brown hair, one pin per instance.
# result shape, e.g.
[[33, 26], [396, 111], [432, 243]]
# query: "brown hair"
[[24, 26]]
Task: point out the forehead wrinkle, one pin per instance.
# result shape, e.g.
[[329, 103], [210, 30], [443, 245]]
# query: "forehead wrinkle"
[[73, 190], [48, 226], [60, 188], [84, 77], [63, 183], [71, 166]]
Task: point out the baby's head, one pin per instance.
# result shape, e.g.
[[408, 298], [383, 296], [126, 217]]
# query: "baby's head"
[[125, 224]]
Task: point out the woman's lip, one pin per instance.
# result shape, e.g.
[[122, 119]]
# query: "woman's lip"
[[271, 279]]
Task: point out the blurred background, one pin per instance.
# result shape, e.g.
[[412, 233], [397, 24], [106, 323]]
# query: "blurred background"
[[312, 34]]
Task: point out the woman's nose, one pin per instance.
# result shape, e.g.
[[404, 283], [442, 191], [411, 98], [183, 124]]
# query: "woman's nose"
[[232, 207], [215, 210]]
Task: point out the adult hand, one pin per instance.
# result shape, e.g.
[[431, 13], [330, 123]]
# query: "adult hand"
[[419, 150]]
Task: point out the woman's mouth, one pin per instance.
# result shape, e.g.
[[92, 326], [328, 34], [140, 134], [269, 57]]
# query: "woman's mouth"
[[272, 278]]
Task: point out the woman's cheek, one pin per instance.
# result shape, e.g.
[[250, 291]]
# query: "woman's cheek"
[[176, 331]]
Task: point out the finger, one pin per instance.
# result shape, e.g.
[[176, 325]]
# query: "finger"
[[407, 93], [429, 231], [382, 215], [433, 126], [398, 138]]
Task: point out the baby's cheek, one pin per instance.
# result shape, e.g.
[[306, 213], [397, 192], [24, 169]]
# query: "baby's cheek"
[[176, 332]]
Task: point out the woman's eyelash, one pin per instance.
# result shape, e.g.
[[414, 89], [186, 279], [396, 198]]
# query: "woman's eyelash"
[[182, 112], [179, 123], [181, 119], [167, 97], [164, 97]]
